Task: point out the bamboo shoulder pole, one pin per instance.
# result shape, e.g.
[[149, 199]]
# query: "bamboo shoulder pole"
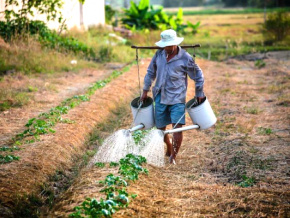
[[156, 47]]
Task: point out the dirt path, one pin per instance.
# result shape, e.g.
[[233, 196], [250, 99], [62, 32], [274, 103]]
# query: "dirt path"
[[239, 168]]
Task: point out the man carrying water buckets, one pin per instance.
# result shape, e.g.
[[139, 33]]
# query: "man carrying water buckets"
[[170, 67]]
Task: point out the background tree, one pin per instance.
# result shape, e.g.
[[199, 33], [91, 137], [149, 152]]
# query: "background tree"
[[28, 8], [277, 25]]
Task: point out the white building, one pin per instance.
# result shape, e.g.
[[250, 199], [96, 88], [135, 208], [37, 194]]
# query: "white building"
[[74, 13]]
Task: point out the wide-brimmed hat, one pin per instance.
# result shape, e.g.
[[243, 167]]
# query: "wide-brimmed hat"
[[168, 38]]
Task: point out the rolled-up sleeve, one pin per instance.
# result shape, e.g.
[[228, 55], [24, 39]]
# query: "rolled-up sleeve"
[[151, 74], [196, 74]]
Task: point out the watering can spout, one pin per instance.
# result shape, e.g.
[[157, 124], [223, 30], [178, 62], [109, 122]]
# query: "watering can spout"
[[181, 129], [140, 126]]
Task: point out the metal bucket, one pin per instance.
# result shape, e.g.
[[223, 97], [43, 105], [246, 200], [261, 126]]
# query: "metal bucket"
[[144, 114], [201, 114]]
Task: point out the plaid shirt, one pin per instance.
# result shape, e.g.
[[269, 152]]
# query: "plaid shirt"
[[171, 76]]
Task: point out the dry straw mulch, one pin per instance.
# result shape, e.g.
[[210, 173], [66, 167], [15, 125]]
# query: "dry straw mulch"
[[58, 152], [212, 163]]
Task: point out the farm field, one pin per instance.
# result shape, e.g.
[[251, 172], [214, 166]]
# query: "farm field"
[[248, 145], [238, 168], [211, 163]]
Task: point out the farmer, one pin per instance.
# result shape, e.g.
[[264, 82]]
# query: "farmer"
[[170, 67]]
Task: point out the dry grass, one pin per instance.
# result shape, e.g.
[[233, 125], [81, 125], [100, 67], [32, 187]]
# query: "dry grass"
[[228, 29], [212, 165], [57, 152]]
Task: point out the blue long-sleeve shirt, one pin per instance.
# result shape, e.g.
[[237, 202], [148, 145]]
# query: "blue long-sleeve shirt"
[[171, 76]]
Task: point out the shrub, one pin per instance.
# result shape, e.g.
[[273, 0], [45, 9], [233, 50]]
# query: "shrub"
[[47, 37], [277, 25], [16, 27], [109, 14], [145, 17]]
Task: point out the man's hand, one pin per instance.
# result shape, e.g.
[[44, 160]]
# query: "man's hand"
[[144, 95], [200, 99]]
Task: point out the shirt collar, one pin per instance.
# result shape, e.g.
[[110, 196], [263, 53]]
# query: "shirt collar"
[[177, 56]]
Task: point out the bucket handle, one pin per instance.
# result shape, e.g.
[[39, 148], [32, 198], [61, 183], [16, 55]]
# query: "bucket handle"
[[194, 102], [138, 109]]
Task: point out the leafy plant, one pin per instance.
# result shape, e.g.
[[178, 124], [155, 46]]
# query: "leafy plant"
[[260, 63], [95, 208], [47, 37], [99, 164], [6, 148], [7, 158], [130, 166], [247, 181], [265, 131], [138, 135], [44, 123], [144, 16], [115, 189], [109, 14], [114, 164], [194, 27]]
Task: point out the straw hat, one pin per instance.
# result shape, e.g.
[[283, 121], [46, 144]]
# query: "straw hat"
[[168, 38]]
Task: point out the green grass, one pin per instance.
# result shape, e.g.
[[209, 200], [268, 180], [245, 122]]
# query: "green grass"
[[252, 110], [29, 57], [11, 98], [219, 40]]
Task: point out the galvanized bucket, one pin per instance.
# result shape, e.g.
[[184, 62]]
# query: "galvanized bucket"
[[143, 114], [201, 114]]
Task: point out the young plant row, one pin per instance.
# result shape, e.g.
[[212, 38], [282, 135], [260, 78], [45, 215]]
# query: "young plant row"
[[114, 187], [44, 123]]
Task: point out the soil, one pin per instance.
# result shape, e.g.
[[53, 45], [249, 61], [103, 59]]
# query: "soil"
[[248, 146]]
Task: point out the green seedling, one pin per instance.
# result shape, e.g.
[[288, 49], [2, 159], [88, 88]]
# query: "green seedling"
[[32, 89], [99, 164], [115, 189], [139, 135], [45, 121], [247, 181], [8, 158], [260, 63], [11, 149], [114, 164], [265, 131]]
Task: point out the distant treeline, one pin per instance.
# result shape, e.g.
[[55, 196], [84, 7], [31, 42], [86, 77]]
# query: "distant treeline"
[[256, 3], [228, 11], [226, 3]]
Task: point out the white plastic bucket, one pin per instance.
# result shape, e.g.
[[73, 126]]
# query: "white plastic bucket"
[[145, 115], [202, 114]]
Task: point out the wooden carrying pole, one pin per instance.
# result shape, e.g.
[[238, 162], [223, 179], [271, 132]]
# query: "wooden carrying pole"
[[156, 47]]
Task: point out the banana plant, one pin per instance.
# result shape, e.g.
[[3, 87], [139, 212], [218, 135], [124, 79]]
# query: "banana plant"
[[144, 16]]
